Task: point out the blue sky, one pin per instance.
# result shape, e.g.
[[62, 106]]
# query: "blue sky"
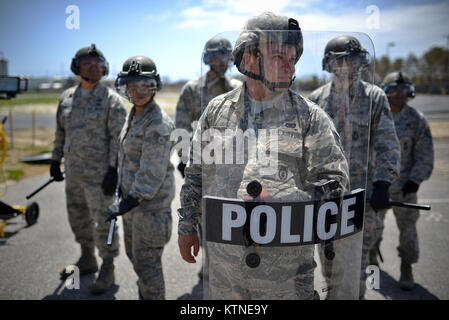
[[36, 42]]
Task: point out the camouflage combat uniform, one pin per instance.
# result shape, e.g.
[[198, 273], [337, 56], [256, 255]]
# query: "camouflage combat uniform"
[[308, 155], [87, 131], [416, 165], [146, 173], [350, 113], [195, 96]]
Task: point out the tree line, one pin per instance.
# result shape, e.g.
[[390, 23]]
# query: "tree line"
[[429, 73]]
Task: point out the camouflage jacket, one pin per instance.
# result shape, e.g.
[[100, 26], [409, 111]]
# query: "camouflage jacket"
[[417, 154], [308, 153], [87, 131], [195, 96], [369, 140], [145, 170]]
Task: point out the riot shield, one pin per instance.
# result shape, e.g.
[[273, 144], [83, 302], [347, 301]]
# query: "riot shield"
[[283, 178]]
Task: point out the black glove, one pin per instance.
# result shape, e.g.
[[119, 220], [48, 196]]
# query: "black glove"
[[124, 206], [55, 170], [409, 187], [380, 196], [109, 181], [181, 167]]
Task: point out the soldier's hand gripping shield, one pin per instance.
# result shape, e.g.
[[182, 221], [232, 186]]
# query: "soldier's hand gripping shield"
[[275, 177]]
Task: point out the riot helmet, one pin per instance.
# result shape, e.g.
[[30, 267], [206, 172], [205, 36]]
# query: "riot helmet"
[[217, 47], [398, 79], [138, 79], [90, 64], [345, 56], [267, 30]]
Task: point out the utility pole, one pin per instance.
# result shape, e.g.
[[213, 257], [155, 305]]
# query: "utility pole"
[[446, 82], [389, 45]]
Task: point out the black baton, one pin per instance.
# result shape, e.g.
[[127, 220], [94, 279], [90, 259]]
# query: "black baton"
[[52, 179], [111, 231], [409, 205]]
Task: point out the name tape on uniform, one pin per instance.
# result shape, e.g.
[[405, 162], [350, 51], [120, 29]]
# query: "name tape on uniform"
[[239, 222]]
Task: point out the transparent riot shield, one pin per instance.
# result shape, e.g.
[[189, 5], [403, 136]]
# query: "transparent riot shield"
[[284, 178]]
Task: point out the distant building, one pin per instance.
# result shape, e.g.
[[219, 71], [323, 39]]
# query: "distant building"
[[3, 66]]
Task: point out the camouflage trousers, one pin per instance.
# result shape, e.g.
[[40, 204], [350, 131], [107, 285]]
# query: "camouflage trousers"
[[87, 209], [372, 230], [146, 234], [285, 273], [406, 219]]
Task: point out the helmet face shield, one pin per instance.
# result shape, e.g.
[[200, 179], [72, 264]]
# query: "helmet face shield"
[[138, 81], [220, 63], [221, 54], [136, 89], [398, 83], [269, 56], [217, 47], [347, 65], [399, 94], [278, 64]]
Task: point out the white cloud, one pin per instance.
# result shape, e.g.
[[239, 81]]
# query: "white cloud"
[[232, 14], [413, 28], [251, 6]]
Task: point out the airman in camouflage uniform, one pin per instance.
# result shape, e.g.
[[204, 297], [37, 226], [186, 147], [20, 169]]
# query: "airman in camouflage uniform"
[[417, 158], [347, 100], [88, 122], [308, 155], [145, 176], [197, 93]]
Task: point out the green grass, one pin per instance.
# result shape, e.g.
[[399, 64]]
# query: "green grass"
[[32, 98], [15, 175], [167, 101]]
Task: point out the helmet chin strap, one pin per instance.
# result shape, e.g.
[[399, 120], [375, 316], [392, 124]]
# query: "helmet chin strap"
[[272, 86]]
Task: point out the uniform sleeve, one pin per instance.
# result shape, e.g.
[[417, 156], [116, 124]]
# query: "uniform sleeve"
[[423, 154], [58, 149], [116, 120], [154, 160], [385, 141], [191, 191], [324, 159], [183, 119]]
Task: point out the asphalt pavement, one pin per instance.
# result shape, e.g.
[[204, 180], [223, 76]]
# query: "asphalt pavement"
[[31, 257]]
